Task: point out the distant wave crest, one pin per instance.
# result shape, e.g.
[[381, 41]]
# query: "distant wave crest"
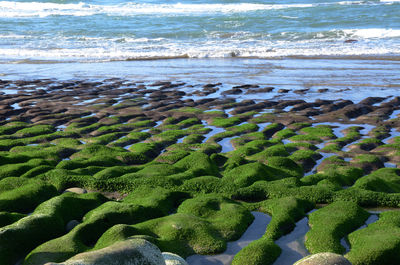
[[13, 9]]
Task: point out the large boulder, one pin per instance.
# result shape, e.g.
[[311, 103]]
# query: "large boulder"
[[173, 259], [128, 252], [325, 258]]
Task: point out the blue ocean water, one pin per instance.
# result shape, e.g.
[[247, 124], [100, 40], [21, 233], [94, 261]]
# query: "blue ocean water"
[[313, 44], [101, 30]]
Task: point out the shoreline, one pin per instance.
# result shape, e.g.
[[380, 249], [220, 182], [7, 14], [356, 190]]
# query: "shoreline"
[[327, 79]]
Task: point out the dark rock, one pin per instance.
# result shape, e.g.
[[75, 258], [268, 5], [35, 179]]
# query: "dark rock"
[[322, 90], [246, 86], [234, 91], [350, 41], [283, 90], [212, 85]]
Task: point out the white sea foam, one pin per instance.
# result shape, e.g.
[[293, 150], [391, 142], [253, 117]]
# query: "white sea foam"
[[39, 9], [215, 48], [373, 33]]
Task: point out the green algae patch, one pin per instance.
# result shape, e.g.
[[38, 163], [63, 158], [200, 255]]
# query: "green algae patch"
[[26, 197], [105, 138], [160, 200], [383, 180], [275, 150], [244, 128], [34, 131], [368, 198], [83, 236], [336, 174], [284, 134], [230, 218], [225, 122], [305, 158], [145, 150], [188, 122], [263, 251], [12, 127], [114, 172], [271, 129], [93, 150], [367, 162], [377, 244], [285, 213], [262, 190], [45, 151], [202, 185], [331, 223], [312, 139], [199, 164], [193, 139], [321, 131], [368, 144], [7, 218], [201, 225], [129, 139], [183, 234], [235, 160], [247, 174], [284, 167], [46, 222], [171, 156]]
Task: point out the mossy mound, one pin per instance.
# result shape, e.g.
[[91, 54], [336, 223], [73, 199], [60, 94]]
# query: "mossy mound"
[[383, 180], [331, 223], [379, 243], [46, 222]]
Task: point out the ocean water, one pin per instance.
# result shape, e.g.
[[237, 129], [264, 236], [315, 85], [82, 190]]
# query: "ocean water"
[[268, 42], [98, 31]]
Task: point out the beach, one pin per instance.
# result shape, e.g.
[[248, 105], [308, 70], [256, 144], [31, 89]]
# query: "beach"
[[162, 144], [199, 132]]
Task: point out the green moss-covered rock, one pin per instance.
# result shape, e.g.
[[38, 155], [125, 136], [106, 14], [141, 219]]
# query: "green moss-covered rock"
[[161, 200], [83, 236], [230, 218], [203, 184], [225, 122], [7, 218], [331, 223], [384, 180], [379, 243], [285, 213], [263, 251], [247, 174], [46, 222], [26, 197], [198, 163]]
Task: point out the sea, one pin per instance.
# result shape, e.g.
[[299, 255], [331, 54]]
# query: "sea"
[[332, 45]]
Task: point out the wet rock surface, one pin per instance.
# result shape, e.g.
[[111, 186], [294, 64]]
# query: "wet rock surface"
[[85, 164]]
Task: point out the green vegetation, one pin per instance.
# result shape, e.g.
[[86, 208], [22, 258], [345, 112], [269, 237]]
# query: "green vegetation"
[[379, 243], [331, 223], [161, 181]]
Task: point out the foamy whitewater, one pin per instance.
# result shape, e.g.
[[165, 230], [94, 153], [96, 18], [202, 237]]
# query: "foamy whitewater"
[[98, 31]]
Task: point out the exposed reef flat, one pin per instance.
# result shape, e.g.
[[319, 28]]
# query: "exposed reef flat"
[[85, 165]]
